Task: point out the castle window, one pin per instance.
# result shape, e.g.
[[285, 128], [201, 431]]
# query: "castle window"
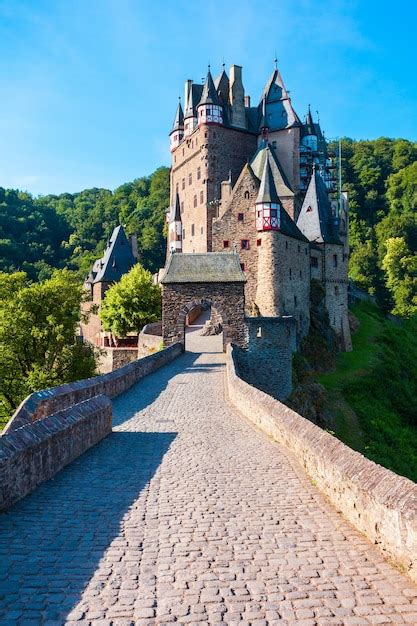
[[259, 332], [198, 173], [259, 242], [290, 273], [192, 230], [183, 183], [286, 245], [182, 207], [201, 197], [336, 291], [183, 233], [190, 179], [205, 134], [246, 194], [242, 267], [195, 201], [335, 260], [301, 274], [240, 217], [244, 244], [295, 300], [314, 262], [306, 251], [226, 243], [202, 230]]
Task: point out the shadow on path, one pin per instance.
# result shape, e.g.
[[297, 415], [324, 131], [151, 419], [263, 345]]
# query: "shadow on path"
[[53, 540]]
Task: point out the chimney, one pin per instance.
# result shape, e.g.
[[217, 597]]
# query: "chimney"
[[247, 102], [237, 97], [187, 89]]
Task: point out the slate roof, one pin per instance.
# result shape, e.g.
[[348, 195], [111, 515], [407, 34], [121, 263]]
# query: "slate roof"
[[207, 267], [116, 260], [279, 109], [265, 151], [209, 94], [179, 119], [267, 190], [316, 220], [194, 98]]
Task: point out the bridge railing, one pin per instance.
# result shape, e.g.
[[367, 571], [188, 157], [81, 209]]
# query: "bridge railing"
[[54, 426], [379, 503]]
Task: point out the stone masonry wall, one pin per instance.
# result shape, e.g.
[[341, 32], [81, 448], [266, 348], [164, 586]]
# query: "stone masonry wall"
[[266, 360], [376, 501], [214, 151], [288, 151], [49, 401], [113, 358], [230, 229], [336, 291], [284, 278], [228, 300], [36, 452], [150, 339]]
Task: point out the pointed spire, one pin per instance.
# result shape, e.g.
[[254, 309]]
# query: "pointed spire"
[[309, 123], [209, 95], [315, 219], [267, 190], [179, 118]]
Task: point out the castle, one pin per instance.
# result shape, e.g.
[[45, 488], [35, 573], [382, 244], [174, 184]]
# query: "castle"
[[258, 180]]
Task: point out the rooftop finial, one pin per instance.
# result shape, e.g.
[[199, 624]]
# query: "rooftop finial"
[[209, 66], [223, 64], [276, 61], [318, 117]]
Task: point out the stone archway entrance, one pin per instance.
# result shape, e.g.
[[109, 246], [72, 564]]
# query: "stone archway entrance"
[[196, 319], [212, 279]]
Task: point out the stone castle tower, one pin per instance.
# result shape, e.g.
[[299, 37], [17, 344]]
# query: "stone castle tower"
[[257, 179]]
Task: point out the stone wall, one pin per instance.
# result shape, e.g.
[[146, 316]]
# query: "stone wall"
[[150, 339], [36, 452], [199, 165], [284, 278], [336, 289], [379, 503], [266, 360], [228, 300], [229, 230], [113, 358], [49, 401]]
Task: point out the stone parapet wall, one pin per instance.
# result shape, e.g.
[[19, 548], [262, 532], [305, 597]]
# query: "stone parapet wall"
[[266, 359], [113, 358], [150, 339], [36, 452], [49, 401], [379, 503]]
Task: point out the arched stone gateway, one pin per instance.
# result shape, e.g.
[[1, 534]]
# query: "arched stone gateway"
[[211, 279]]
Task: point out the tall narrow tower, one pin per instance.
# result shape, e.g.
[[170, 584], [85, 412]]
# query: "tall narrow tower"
[[268, 219]]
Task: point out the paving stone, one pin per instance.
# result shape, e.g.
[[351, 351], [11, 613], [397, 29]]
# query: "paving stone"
[[187, 513]]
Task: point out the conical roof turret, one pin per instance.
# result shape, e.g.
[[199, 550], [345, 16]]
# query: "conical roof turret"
[[179, 118], [309, 126], [209, 95], [267, 190]]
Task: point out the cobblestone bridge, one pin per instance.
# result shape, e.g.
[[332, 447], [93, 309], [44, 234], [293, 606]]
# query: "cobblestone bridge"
[[188, 514]]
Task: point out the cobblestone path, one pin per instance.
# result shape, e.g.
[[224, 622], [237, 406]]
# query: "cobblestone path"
[[188, 514]]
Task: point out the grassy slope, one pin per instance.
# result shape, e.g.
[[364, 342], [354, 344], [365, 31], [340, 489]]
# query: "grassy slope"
[[367, 414]]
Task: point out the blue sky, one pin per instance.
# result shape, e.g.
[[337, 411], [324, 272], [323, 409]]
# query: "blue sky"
[[88, 88]]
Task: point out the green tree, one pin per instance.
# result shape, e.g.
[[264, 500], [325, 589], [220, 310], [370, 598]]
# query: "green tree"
[[131, 303], [400, 266], [38, 324]]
